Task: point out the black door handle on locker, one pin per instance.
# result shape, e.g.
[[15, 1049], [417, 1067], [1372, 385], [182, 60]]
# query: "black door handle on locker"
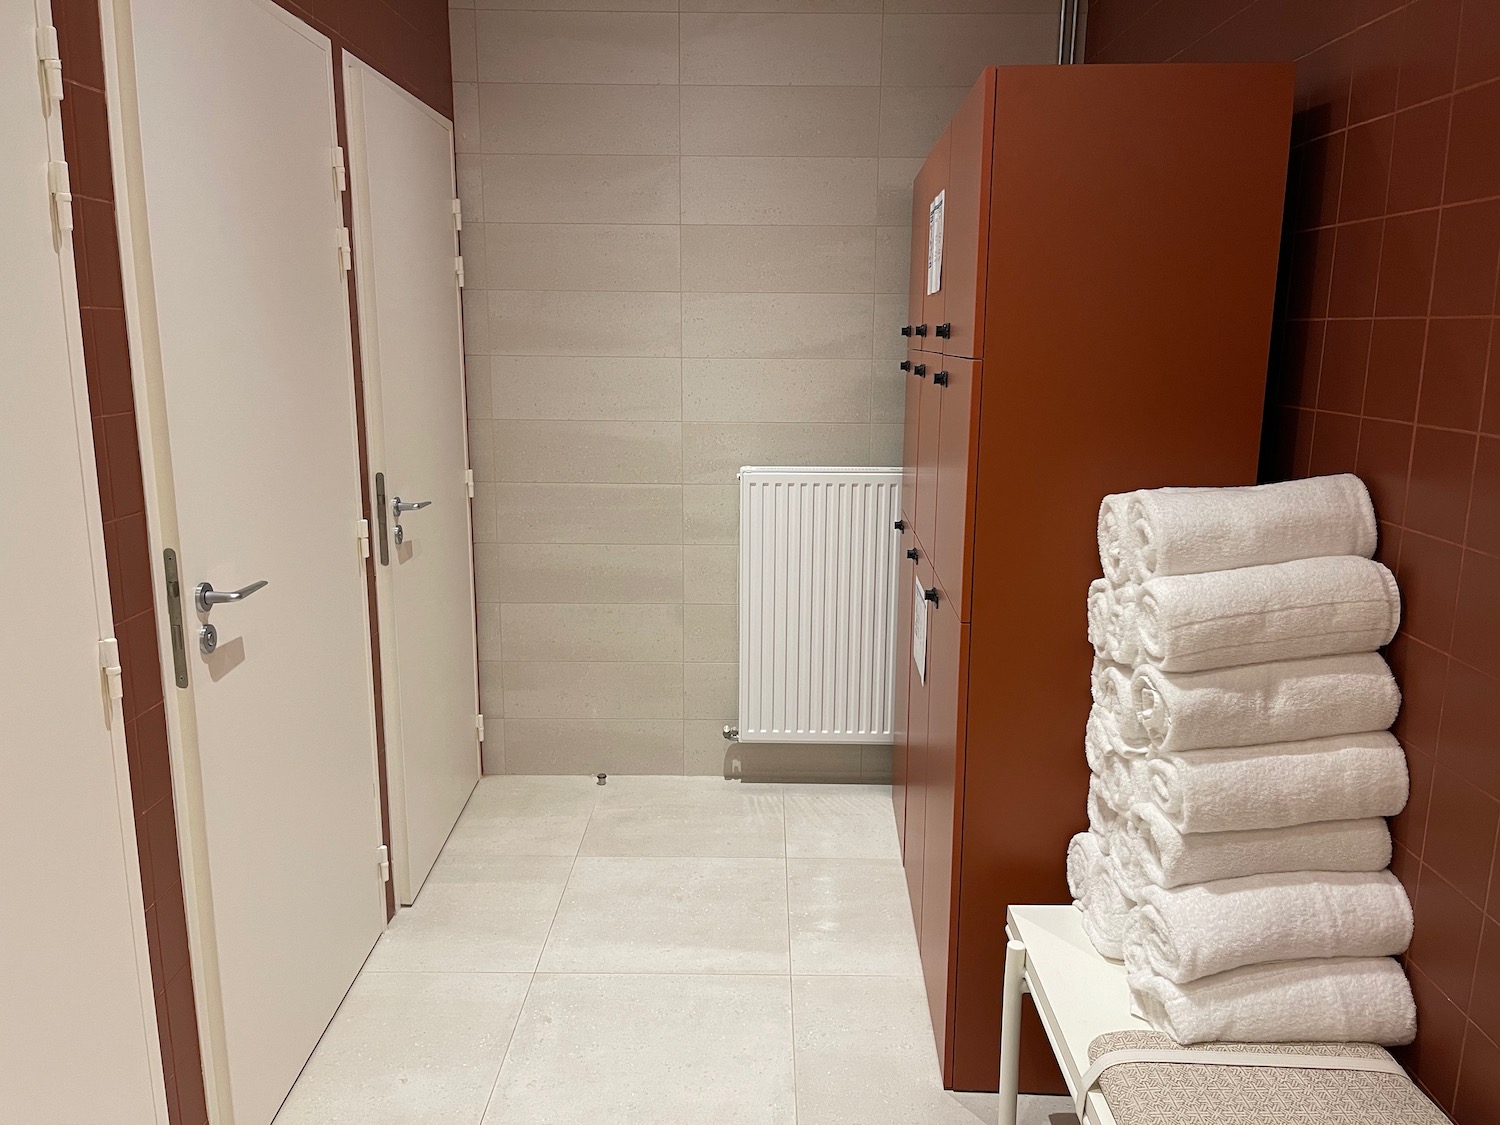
[[944, 330], [899, 525], [906, 330], [906, 365], [921, 330], [931, 595], [921, 370], [940, 378], [913, 554]]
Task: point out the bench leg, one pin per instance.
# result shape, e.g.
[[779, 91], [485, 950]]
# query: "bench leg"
[[1010, 1031]]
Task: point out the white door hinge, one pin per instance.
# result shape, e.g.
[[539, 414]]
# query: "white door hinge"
[[383, 858], [479, 726], [458, 215], [362, 533], [51, 60], [109, 661], [62, 193], [458, 268], [469, 482], [346, 252], [340, 173]]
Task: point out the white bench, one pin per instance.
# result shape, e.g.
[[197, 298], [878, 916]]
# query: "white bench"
[[1079, 995]]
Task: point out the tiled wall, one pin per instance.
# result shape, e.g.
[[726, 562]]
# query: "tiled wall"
[[685, 246], [1388, 364], [408, 39]]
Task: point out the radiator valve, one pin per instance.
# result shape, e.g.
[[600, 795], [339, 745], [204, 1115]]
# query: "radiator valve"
[[731, 734]]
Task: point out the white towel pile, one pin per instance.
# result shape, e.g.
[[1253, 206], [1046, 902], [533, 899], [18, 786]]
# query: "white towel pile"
[[1236, 858]]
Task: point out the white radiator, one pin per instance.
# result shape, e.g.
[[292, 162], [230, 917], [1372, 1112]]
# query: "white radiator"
[[818, 571]]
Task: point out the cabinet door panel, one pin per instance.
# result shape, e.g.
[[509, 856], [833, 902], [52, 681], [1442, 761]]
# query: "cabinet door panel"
[[953, 497], [947, 706], [928, 436], [900, 782], [918, 770], [927, 307], [966, 221], [911, 423]]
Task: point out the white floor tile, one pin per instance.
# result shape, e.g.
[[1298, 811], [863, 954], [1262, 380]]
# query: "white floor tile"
[[649, 1050], [840, 822], [1031, 1109], [865, 1054], [652, 915], [525, 816], [850, 917], [409, 1049], [481, 915], [690, 816]]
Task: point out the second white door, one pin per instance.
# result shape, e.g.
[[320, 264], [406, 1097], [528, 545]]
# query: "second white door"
[[405, 244]]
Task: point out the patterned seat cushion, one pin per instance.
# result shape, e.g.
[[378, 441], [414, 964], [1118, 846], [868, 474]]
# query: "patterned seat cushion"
[[1183, 1094]]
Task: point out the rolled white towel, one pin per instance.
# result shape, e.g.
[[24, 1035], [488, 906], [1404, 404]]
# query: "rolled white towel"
[[1287, 611], [1196, 931], [1169, 858], [1112, 625], [1106, 908], [1338, 1000], [1346, 777], [1099, 590], [1104, 821], [1084, 859], [1124, 781], [1116, 550], [1112, 692], [1176, 531], [1279, 702]]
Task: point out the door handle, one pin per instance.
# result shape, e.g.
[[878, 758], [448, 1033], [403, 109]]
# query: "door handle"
[[205, 597], [398, 506]]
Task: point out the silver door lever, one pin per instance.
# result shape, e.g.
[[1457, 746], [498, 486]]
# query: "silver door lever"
[[205, 597], [399, 506]]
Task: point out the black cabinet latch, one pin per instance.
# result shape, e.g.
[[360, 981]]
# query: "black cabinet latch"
[[906, 365], [931, 595], [940, 378], [921, 330], [913, 554], [944, 330], [899, 525], [921, 370], [906, 330]]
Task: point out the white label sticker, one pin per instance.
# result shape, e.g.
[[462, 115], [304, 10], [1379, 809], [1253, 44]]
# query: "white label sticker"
[[920, 609], [935, 244]]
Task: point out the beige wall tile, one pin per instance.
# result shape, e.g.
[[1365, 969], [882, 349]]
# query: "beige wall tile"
[[487, 630], [573, 324], [591, 632], [912, 118], [875, 764], [573, 119], [581, 189], [589, 452], [562, 746], [586, 387], [466, 117], [473, 242], [892, 259], [478, 400], [492, 752], [778, 259], [713, 453], [711, 691], [705, 751], [780, 120], [586, 513], [710, 513], [1009, 7], [482, 448], [836, 7], [885, 445], [710, 574], [593, 690], [491, 691], [888, 394], [774, 390], [487, 572], [588, 573], [470, 184], [462, 43], [889, 317], [788, 190], [792, 326], [476, 317], [951, 50], [893, 191], [710, 634], [583, 256], [611, 47], [779, 50], [576, 5], [482, 507]]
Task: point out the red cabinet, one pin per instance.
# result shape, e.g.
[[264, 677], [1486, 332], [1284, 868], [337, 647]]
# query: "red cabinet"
[[1109, 266]]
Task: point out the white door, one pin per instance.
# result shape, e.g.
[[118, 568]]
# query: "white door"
[[235, 236], [77, 1022], [402, 179]]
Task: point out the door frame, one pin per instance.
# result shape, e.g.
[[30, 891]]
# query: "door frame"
[[161, 516], [353, 72]]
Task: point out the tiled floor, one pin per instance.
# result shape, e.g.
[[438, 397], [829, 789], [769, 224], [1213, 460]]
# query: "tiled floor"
[[662, 950]]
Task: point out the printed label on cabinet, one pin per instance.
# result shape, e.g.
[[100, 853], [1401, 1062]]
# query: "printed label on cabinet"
[[920, 609], [935, 244]]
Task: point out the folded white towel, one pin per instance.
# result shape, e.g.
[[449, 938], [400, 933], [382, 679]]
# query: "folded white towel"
[[1112, 626], [1099, 614], [1279, 702], [1311, 607], [1104, 821], [1340, 1000], [1191, 932], [1346, 777], [1124, 781], [1111, 684], [1178, 531], [1168, 858], [1102, 735], [1116, 550], [1084, 858], [1106, 908]]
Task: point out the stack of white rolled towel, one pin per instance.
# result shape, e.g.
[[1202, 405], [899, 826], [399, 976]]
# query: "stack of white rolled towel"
[[1237, 856]]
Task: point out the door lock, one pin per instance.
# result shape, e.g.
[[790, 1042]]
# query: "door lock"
[[208, 639]]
